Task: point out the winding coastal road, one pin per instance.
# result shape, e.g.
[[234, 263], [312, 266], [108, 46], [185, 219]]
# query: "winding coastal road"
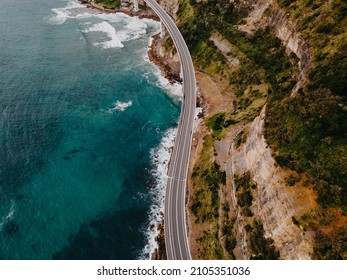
[[176, 240]]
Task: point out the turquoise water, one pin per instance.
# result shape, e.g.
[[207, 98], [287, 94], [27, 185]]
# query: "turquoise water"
[[82, 114]]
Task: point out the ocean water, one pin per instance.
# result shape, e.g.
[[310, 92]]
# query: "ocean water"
[[86, 123]]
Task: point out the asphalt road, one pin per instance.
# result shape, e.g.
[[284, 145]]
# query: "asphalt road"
[[176, 240]]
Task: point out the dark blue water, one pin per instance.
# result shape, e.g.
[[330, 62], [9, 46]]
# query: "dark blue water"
[[81, 112]]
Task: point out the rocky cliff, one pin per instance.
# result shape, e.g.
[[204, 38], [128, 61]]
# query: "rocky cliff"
[[171, 6], [274, 202], [268, 13], [287, 32]]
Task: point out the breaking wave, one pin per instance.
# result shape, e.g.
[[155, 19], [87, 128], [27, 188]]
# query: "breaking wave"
[[118, 27], [160, 157], [120, 106]]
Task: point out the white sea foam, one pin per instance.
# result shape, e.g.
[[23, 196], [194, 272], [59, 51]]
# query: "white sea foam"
[[73, 4], [120, 106], [59, 17], [73, 9], [9, 215], [175, 90], [151, 22], [131, 28], [116, 17], [110, 31], [136, 27], [160, 159]]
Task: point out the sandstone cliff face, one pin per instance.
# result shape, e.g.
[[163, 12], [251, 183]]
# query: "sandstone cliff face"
[[285, 30], [291, 39], [171, 6], [274, 203]]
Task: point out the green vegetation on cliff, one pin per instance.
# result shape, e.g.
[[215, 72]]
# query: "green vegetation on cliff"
[[263, 58], [207, 180], [307, 130], [113, 4], [206, 205], [244, 187], [262, 248], [323, 25]]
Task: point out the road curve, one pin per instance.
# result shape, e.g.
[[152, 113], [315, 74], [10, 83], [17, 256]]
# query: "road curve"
[[176, 240]]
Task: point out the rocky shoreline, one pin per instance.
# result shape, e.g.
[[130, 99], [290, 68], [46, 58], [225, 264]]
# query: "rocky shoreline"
[[141, 14], [167, 66], [169, 69]]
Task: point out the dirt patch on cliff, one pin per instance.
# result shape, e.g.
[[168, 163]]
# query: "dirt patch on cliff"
[[215, 92]]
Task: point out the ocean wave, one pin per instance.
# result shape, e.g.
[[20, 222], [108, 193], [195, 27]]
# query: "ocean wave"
[[116, 17], [135, 28], [131, 28], [9, 216], [173, 90], [160, 157], [73, 9], [59, 17], [110, 31], [120, 106]]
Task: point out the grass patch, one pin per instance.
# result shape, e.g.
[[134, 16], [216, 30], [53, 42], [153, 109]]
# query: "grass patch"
[[206, 199], [112, 4], [218, 122], [212, 248]]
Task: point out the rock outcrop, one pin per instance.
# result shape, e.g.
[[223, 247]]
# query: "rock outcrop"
[[160, 253], [166, 58], [275, 203], [170, 6], [285, 30]]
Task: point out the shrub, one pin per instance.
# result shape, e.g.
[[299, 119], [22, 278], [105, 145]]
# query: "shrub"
[[262, 248]]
